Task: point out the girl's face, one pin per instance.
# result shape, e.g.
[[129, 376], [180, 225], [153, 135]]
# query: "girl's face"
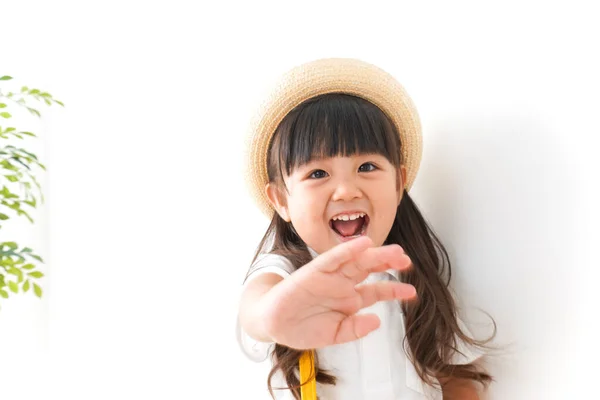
[[335, 199]]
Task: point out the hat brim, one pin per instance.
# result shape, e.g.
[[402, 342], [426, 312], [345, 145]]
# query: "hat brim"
[[332, 75]]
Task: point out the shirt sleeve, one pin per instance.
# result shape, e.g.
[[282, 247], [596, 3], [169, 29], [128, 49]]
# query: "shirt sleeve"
[[466, 353], [266, 263]]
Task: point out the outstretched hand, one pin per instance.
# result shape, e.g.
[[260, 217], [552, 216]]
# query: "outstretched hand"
[[317, 305]]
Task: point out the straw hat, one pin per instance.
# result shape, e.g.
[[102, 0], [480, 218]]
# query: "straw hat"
[[332, 75]]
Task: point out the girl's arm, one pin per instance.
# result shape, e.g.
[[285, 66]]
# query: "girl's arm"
[[251, 311]]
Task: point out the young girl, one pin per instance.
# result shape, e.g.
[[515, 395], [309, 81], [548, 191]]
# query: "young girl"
[[349, 276]]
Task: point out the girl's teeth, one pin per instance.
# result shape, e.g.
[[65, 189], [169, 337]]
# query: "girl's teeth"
[[349, 217]]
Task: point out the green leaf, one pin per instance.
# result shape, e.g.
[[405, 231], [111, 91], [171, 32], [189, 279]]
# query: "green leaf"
[[3, 217], [5, 114], [5, 78], [11, 245], [2, 105], [7, 165], [28, 133], [37, 257], [37, 290], [17, 272], [34, 91], [28, 266], [31, 202], [25, 152], [4, 293], [21, 212], [34, 111], [24, 89], [36, 274], [12, 178], [8, 262], [5, 192], [26, 286], [13, 287], [59, 102]]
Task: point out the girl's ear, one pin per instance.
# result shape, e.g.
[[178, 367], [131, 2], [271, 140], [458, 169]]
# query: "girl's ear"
[[400, 183], [278, 201]]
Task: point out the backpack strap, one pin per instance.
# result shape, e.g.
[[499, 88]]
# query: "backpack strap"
[[308, 390]]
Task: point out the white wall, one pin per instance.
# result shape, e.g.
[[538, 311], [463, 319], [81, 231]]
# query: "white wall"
[[150, 227]]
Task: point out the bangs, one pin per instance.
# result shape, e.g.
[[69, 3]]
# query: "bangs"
[[332, 125]]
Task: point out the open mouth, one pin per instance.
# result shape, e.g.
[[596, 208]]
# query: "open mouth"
[[350, 225]]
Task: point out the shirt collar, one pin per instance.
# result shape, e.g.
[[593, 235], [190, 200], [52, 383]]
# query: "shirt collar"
[[313, 253]]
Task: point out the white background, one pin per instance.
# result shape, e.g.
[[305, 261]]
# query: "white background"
[[148, 230]]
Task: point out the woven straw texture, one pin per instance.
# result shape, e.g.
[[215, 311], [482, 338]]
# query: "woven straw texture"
[[331, 75]]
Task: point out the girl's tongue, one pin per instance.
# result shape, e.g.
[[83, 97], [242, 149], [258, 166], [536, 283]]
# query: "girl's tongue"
[[348, 228]]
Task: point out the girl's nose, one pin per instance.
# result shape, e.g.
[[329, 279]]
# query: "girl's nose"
[[346, 190]]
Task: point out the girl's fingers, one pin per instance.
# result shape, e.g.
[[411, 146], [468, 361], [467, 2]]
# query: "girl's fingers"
[[331, 260], [356, 326], [357, 258], [384, 291], [375, 259]]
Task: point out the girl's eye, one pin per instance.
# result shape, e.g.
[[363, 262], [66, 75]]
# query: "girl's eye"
[[318, 174], [367, 167]]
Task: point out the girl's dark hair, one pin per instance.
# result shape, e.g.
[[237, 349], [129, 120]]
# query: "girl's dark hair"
[[343, 125]]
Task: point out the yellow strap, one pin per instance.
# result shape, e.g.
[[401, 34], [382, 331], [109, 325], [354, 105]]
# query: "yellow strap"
[[307, 374]]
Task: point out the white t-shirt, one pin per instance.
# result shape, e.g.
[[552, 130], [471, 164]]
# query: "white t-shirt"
[[373, 367]]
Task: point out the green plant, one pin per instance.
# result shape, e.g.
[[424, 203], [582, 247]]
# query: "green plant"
[[20, 191]]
